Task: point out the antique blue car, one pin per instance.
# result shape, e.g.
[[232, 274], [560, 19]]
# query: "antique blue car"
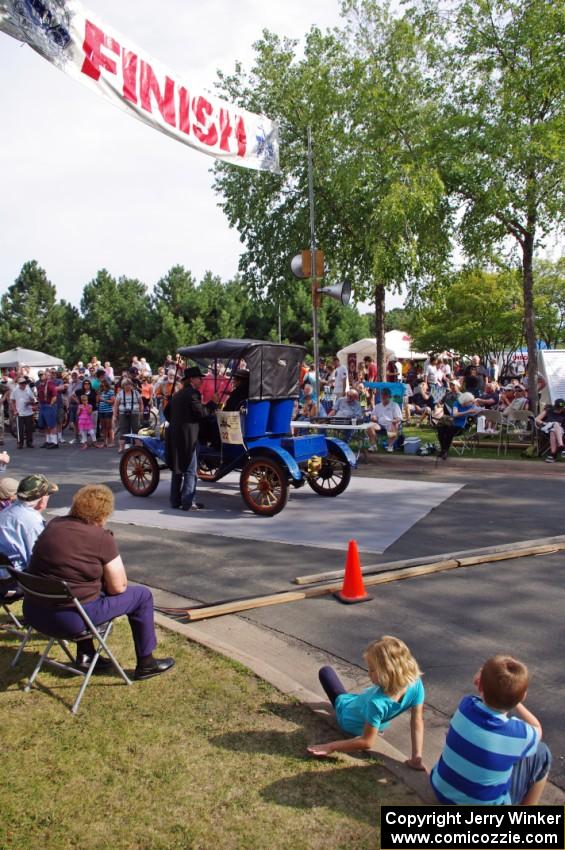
[[256, 440]]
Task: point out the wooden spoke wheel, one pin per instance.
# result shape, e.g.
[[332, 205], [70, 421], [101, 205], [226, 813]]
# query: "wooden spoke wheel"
[[332, 478], [264, 486], [139, 471]]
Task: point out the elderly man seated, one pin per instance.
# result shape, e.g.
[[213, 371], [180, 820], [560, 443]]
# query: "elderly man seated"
[[22, 522], [490, 396], [348, 406], [520, 400], [387, 417]]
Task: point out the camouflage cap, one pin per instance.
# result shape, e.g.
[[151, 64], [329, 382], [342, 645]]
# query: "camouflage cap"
[[34, 487]]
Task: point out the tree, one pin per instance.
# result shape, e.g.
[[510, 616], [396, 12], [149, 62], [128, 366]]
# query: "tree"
[[27, 311], [380, 209], [117, 319], [67, 329], [398, 319], [549, 301], [499, 77], [480, 313]]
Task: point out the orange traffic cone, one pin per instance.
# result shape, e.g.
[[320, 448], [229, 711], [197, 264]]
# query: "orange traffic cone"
[[353, 589]]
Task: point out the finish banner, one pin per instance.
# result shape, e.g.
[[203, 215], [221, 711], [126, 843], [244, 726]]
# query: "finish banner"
[[76, 41]]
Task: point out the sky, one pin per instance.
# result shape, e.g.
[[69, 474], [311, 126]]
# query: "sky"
[[85, 187]]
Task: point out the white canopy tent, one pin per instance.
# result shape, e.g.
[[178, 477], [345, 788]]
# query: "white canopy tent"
[[397, 344], [400, 343], [16, 357]]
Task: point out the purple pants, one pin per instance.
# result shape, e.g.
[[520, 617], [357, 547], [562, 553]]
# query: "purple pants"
[[136, 602]]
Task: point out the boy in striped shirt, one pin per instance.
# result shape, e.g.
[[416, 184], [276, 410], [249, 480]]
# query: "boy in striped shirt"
[[489, 758]]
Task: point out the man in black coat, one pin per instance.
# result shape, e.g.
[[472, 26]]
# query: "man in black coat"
[[184, 413]]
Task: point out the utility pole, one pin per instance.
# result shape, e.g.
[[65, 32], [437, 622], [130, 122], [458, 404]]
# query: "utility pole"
[[313, 264]]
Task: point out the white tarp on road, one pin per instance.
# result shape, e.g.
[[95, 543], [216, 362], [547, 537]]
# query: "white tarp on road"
[[375, 512]]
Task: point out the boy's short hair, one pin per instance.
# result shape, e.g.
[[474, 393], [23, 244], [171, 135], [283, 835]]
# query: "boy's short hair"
[[394, 664], [504, 682]]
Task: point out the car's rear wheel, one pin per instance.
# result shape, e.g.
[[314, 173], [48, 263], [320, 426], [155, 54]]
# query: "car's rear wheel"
[[264, 486], [139, 471]]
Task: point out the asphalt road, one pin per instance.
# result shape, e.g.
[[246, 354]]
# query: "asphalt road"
[[452, 621]]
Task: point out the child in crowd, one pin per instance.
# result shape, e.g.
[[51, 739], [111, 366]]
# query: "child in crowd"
[[397, 687], [489, 758], [85, 423], [106, 412]]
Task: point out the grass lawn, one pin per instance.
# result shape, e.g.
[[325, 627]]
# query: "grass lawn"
[[205, 757], [487, 449]]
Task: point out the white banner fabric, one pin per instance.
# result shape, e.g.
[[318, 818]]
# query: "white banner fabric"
[[552, 362], [73, 39]]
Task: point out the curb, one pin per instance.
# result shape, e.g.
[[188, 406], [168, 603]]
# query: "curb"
[[431, 465], [249, 644], [391, 757]]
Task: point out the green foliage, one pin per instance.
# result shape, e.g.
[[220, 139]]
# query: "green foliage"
[[381, 214], [549, 300], [399, 319], [117, 318], [480, 313], [26, 310], [499, 78]]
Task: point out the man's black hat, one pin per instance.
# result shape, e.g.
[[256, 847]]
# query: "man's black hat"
[[192, 372]]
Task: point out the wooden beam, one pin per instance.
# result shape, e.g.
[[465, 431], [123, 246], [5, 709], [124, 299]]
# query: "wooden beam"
[[253, 602], [557, 543], [444, 564]]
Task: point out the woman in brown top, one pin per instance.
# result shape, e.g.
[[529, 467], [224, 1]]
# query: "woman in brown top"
[[80, 550]]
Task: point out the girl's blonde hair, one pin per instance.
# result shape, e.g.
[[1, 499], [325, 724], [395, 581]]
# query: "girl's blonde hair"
[[84, 399], [394, 664]]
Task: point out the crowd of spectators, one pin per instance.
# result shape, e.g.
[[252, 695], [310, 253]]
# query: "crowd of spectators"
[[99, 405], [90, 399]]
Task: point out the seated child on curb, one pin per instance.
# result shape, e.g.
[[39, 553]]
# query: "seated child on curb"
[[489, 758], [396, 687]]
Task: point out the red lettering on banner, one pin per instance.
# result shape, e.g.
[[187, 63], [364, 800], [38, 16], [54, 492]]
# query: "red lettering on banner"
[[241, 136], [129, 71], [184, 110], [207, 133], [94, 40], [225, 130], [149, 85]]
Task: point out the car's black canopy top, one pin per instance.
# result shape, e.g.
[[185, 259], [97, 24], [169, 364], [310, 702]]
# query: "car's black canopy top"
[[274, 368]]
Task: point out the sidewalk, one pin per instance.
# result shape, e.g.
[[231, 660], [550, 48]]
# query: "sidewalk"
[[292, 667], [432, 465]]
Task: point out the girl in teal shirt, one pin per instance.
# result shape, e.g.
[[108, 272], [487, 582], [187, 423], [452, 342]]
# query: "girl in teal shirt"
[[397, 687]]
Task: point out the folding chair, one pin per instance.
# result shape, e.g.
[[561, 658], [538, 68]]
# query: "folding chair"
[[7, 597], [57, 591], [496, 419], [520, 424], [466, 440], [9, 593]]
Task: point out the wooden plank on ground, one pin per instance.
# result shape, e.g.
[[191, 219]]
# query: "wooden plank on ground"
[[441, 564], [557, 542]]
